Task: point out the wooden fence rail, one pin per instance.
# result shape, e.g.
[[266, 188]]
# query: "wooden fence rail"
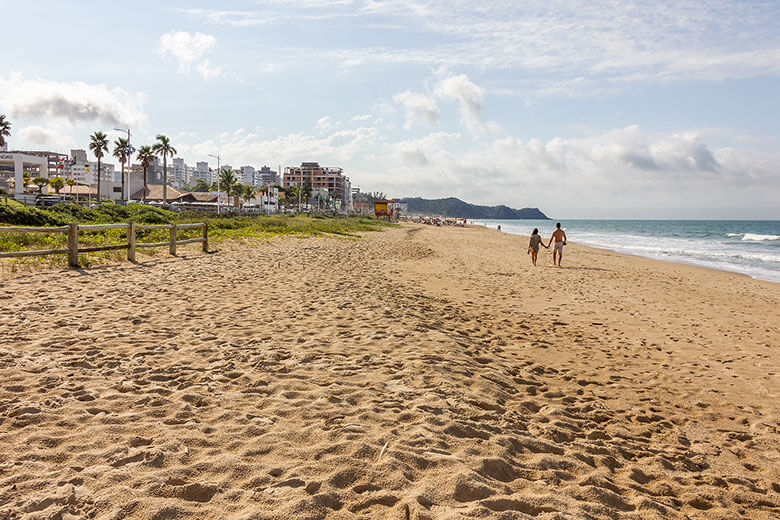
[[73, 249]]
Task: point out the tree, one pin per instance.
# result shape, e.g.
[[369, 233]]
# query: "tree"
[[163, 148], [146, 157], [247, 192], [57, 183], [5, 129], [201, 186], [227, 180], [374, 196], [98, 144], [40, 182], [71, 183], [122, 151], [335, 194], [294, 195], [306, 194]]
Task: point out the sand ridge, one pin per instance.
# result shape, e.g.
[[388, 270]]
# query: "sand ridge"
[[417, 373]]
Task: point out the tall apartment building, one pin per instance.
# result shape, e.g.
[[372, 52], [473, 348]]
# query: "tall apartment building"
[[191, 175], [154, 172], [320, 179], [265, 176], [246, 175], [202, 171], [107, 173], [76, 168], [177, 172]]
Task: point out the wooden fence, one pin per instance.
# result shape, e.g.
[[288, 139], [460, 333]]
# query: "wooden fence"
[[73, 229]]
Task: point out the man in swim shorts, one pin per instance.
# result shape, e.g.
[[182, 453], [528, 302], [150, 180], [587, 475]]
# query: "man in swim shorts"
[[559, 236]]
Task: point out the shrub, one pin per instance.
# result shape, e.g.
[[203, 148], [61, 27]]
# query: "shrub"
[[114, 213], [22, 216]]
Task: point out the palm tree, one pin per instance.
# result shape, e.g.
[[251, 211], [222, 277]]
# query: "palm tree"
[[163, 147], [227, 179], [146, 156], [5, 129], [122, 151], [98, 144], [247, 192], [294, 194]]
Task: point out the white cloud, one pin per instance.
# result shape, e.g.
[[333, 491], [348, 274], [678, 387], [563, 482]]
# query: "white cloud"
[[625, 172], [416, 152], [39, 135], [189, 49], [418, 107], [470, 97], [574, 46], [324, 124], [334, 149], [206, 71], [422, 107], [76, 102]]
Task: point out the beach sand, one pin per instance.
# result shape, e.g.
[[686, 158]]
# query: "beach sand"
[[418, 373]]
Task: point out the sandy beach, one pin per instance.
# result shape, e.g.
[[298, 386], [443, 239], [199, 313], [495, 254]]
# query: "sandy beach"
[[418, 373]]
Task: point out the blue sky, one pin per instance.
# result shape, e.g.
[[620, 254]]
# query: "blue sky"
[[614, 109]]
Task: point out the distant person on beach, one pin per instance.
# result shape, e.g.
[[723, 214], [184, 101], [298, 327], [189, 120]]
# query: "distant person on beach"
[[559, 236], [533, 245], [499, 227]]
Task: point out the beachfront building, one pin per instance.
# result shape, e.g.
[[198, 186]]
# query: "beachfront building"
[[13, 166], [321, 180], [360, 203], [77, 168], [269, 199], [202, 171], [178, 176], [246, 175], [154, 172], [265, 176]]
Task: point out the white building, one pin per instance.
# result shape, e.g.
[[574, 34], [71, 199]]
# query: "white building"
[[191, 175], [265, 176], [177, 175], [247, 175], [18, 163], [202, 171]]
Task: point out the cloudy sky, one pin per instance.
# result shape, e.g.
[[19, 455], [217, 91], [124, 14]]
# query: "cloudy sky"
[[606, 109]]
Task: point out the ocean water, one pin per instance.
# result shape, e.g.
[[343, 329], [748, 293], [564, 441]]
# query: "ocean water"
[[751, 247]]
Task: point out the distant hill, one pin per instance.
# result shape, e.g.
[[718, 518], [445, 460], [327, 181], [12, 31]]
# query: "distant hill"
[[453, 207]]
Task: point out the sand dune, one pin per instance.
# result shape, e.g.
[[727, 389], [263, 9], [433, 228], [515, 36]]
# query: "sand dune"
[[419, 373]]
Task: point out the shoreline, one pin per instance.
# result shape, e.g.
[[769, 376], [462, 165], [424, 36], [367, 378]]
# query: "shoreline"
[[417, 373], [676, 260]]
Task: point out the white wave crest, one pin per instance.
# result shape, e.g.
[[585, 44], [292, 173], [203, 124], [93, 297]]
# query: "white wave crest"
[[752, 237]]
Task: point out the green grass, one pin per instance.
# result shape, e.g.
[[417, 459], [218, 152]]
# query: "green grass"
[[243, 228], [265, 226]]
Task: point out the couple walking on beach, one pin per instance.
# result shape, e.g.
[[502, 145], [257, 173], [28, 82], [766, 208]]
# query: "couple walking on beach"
[[558, 235]]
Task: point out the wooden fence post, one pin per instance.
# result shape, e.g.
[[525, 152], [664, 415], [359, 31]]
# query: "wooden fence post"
[[131, 241], [173, 239], [73, 244], [205, 237]]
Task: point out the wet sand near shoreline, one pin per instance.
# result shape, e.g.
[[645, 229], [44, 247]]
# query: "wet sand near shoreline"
[[417, 373]]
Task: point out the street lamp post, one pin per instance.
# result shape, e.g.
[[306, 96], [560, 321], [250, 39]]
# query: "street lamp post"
[[217, 158], [126, 196]]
